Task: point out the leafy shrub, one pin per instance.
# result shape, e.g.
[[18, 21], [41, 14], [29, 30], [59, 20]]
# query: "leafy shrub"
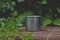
[[46, 22], [7, 5], [9, 26], [21, 18], [57, 22], [28, 36]]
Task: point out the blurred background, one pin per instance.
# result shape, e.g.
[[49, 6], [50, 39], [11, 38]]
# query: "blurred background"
[[49, 10]]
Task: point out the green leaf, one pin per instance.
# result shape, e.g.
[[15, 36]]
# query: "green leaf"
[[29, 36], [3, 5], [14, 13], [2, 24], [8, 6], [21, 36], [58, 9], [12, 8], [13, 3], [20, 19], [43, 1], [47, 22], [57, 22]]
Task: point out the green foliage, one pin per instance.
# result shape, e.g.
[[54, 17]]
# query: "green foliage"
[[14, 13], [46, 22], [10, 4], [9, 26], [2, 22], [9, 29], [21, 36], [43, 2], [21, 18], [58, 9], [7, 5], [28, 36], [57, 22]]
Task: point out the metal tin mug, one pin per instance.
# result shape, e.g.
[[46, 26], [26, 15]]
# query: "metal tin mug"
[[33, 23]]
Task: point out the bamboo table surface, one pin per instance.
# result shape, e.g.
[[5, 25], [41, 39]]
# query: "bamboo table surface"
[[46, 33]]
